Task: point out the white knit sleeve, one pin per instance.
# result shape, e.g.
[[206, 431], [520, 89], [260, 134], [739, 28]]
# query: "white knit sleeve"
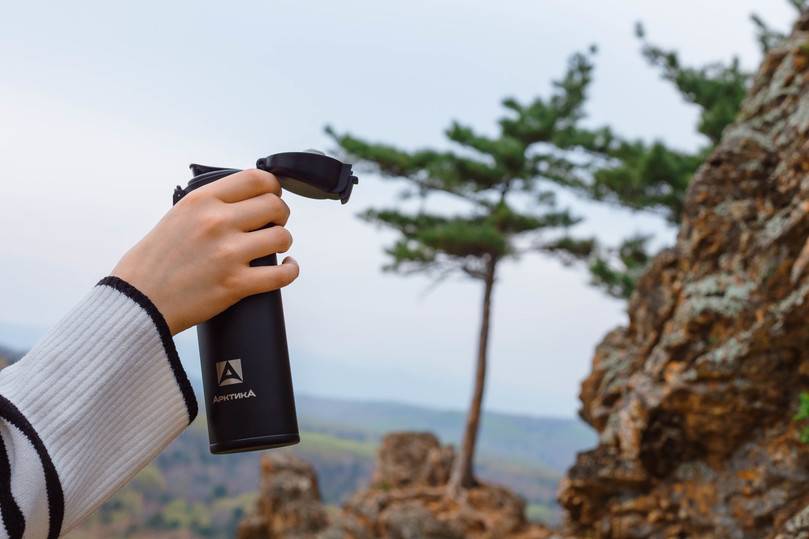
[[91, 404]]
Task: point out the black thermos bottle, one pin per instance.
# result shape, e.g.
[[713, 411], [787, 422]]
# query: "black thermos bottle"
[[243, 351]]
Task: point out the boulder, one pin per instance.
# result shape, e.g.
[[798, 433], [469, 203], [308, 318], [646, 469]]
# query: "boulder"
[[289, 503]]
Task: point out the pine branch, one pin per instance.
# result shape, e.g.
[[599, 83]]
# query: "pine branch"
[[800, 5], [717, 88], [507, 153], [552, 120], [767, 37], [426, 170], [615, 271]]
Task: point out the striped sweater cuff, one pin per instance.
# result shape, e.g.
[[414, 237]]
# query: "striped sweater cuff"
[[91, 404]]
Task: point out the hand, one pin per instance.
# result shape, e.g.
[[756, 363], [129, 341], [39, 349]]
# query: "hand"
[[196, 262]]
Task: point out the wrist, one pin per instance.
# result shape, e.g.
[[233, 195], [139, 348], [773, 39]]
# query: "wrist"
[[150, 299]]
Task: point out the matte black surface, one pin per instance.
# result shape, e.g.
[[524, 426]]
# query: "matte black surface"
[[311, 175], [255, 444], [256, 410], [252, 331]]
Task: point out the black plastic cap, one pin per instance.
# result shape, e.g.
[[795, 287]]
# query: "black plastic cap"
[[313, 175], [308, 174]]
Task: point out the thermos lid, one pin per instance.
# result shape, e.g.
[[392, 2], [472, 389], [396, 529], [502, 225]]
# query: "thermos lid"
[[310, 174]]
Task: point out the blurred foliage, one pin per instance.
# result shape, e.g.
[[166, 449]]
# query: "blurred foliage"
[[149, 479], [147, 506], [632, 255], [803, 415], [326, 444], [541, 514], [767, 37]]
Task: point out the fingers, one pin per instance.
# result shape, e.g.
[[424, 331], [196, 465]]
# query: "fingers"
[[243, 185], [266, 241], [256, 212], [260, 279]]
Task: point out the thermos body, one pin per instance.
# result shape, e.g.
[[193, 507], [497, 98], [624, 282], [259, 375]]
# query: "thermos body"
[[243, 352], [246, 375], [244, 359]]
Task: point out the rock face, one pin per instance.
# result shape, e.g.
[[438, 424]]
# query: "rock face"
[[412, 459], [405, 501], [289, 500], [694, 399]]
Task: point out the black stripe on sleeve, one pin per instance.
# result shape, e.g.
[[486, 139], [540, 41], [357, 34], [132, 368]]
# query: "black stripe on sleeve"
[[13, 519], [165, 336], [53, 487]]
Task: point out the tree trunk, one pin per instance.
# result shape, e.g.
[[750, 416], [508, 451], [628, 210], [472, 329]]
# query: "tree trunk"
[[463, 474]]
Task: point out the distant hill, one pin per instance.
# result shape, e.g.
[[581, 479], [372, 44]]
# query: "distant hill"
[[19, 336], [545, 442], [528, 454], [9, 355]]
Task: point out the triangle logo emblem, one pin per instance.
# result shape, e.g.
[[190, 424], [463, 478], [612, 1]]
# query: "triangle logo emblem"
[[229, 372]]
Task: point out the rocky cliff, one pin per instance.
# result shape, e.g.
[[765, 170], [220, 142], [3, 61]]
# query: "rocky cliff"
[[406, 500], [694, 399]]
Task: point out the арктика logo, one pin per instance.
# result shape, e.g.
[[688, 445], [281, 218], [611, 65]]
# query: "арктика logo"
[[229, 372]]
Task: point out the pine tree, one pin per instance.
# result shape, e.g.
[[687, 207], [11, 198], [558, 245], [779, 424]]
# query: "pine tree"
[[505, 186]]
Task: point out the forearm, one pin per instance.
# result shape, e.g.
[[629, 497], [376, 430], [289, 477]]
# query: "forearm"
[[91, 404]]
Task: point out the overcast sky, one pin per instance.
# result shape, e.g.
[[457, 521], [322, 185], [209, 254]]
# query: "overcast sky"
[[103, 105]]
